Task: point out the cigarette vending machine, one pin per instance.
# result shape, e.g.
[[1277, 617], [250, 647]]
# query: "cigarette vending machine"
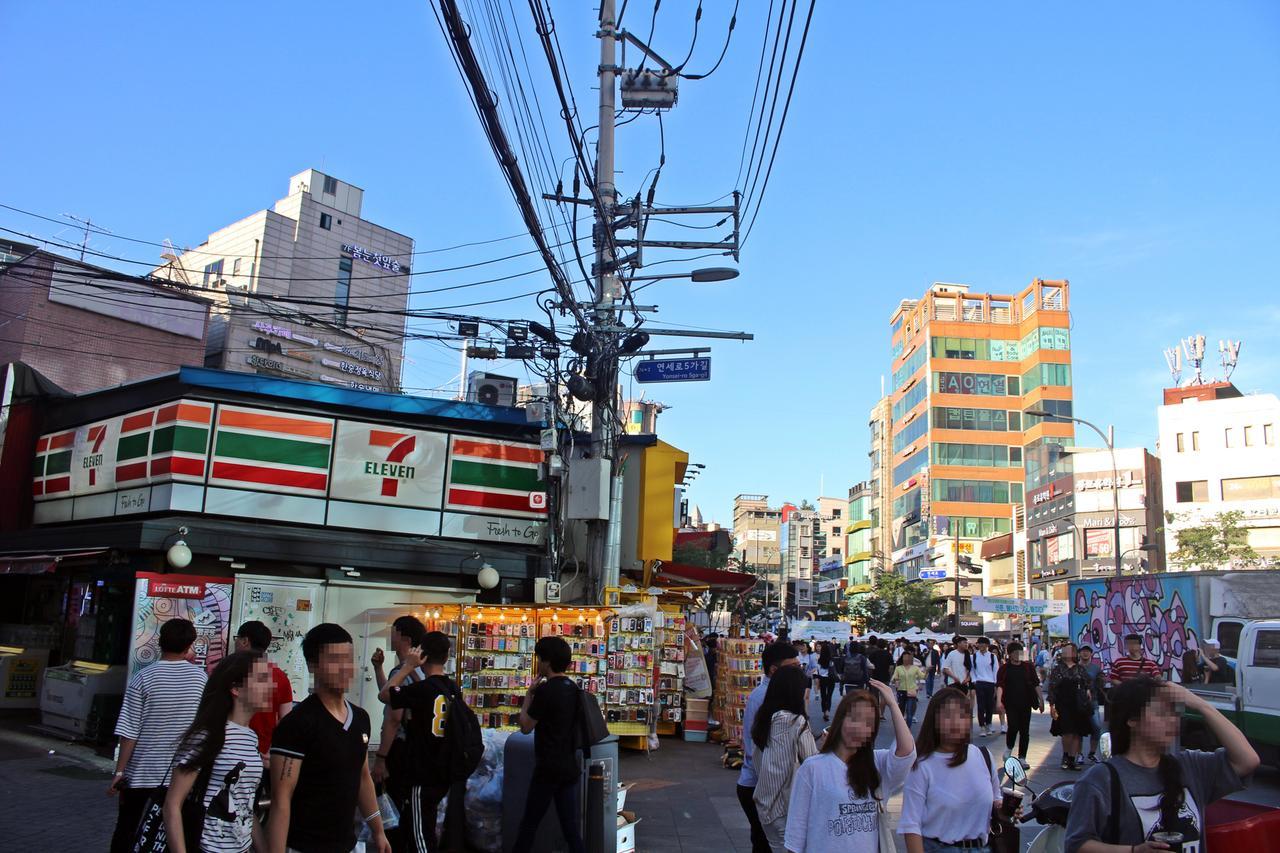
[[20, 671]]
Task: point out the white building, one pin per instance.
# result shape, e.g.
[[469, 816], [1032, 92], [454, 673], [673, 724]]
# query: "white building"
[[1219, 453], [312, 245]]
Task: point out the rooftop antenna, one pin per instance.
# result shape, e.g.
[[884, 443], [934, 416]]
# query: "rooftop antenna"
[[170, 255], [1193, 349], [1173, 358], [1230, 353]]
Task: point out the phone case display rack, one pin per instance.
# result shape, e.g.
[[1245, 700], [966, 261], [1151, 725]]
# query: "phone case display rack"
[[669, 668], [737, 674], [497, 661], [629, 702]]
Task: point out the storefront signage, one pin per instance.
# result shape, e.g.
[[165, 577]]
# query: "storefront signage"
[[1108, 519], [1128, 479], [159, 598], [984, 384], [349, 383], [389, 465], [377, 259], [264, 363], [355, 352], [284, 332], [354, 369], [176, 589]]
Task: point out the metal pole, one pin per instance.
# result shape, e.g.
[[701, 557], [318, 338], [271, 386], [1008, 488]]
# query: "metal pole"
[[602, 426], [956, 569]]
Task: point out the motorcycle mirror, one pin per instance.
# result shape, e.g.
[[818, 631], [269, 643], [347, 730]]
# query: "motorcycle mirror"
[[1104, 745], [1013, 769]]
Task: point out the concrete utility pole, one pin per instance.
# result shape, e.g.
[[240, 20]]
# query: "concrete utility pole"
[[600, 534]]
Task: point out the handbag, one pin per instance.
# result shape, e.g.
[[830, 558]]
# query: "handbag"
[[593, 728], [151, 835], [888, 843], [1002, 838]]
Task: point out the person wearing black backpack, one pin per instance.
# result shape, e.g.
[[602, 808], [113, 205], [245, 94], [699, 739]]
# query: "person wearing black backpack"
[[856, 673], [551, 711], [428, 761]]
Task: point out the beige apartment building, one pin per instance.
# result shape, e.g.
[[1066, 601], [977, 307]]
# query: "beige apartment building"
[[757, 529], [347, 281]]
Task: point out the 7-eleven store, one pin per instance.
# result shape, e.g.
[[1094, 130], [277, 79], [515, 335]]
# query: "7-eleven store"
[[295, 503]]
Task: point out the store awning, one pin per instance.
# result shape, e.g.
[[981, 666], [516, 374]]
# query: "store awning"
[[722, 579], [39, 564]]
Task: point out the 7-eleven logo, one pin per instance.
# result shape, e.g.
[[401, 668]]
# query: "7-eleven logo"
[[97, 435], [393, 470]]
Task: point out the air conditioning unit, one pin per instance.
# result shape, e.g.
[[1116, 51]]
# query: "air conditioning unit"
[[490, 389]]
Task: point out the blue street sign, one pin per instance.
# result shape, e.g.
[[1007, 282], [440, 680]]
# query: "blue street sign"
[[932, 574], [674, 370]]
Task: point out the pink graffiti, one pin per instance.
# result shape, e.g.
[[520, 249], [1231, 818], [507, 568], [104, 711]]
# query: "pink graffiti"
[[1136, 606]]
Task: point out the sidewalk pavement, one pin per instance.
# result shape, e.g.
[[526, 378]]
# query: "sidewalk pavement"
[[687, 802]]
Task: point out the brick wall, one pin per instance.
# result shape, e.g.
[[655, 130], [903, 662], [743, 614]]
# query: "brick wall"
[[83, 350]]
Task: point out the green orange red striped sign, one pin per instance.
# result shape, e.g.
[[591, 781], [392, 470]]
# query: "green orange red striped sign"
[[51, 476], [260, 449], [490, 475]]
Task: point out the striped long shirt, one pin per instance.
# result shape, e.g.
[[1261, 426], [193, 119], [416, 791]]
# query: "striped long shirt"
[[159, 705]]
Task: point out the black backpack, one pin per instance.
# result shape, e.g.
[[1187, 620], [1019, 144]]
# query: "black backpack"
[[855, 669], [465, 744]]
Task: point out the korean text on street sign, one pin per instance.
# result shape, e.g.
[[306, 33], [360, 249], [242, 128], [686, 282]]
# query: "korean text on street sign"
[[1030, 606], [674, 370], [932, 574]]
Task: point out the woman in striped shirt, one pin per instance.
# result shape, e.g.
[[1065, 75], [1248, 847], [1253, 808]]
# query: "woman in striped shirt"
[[218, 756]]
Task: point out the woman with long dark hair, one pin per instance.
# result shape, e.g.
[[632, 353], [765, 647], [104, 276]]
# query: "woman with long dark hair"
[[1071, 705], [826, 677], [1144, 789], [838, 796], [782, 737], [218, 756], [952, 789]]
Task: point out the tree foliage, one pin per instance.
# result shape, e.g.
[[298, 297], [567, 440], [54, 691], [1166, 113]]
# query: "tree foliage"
[[1220, 542], [896, 605]]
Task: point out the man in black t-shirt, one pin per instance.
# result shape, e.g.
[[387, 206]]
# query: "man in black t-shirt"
[[320, 758], [423, 762], [550, 711]]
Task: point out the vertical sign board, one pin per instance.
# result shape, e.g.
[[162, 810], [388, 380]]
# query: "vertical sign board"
[[204, 601]]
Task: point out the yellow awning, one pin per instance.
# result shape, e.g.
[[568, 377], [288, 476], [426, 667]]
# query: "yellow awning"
[[861, 524]]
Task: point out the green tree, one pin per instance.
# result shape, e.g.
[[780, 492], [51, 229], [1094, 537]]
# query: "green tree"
[[896, 605], [804, 504], [1219, 542]]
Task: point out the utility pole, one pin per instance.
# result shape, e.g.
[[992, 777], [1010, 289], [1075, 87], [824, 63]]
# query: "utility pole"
[[601, 533], [955, 523]]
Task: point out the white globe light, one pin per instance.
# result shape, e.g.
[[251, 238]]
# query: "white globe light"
[[488, 577], [179, 555]]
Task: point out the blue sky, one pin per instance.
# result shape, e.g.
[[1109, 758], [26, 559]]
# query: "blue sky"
[[1130, 148]]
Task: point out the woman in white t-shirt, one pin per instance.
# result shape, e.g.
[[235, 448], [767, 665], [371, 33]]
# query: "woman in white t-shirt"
[[222, 749], [951, 790], [838, 795]]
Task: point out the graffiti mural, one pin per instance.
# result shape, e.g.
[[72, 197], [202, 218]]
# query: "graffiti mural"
[[1162, 610]]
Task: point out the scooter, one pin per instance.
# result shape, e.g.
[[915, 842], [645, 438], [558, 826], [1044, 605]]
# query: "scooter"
[[1051, 806]]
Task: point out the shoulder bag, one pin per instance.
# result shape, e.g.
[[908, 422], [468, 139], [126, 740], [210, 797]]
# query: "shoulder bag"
[[1003, 838], [887, 841], [151, 835]]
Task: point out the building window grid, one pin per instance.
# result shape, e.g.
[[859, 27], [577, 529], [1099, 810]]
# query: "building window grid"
[[342, 295], [976, 491]]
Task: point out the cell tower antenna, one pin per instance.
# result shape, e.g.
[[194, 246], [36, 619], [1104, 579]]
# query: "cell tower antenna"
[[1230, 353], [1193, 349], [1173, 358]]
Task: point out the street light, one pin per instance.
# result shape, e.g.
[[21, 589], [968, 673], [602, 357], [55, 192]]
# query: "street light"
[[1149, 548], [707, 275], [1115, 472]]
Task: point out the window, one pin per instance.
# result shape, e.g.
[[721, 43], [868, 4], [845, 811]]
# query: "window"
[[213, 273], [909, 434], [835, 513], [1192, 491], [977, 491], [981, 455], [343, 295], [1266, 651], [973, 527], [1268, 437], [914, 396], [1015, 456], [835, 530], [1226, 436], [1251, 488], [326, 221], [330, 185], [1047, 374], [1229, 638], [913, 464], [913, 363], [987, 420], [235, 267], [1195, 441], [984, 384], [1248, 436], [1180, 447]]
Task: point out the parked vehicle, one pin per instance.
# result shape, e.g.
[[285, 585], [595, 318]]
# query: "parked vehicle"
[[1252, 700], [1174, 612]]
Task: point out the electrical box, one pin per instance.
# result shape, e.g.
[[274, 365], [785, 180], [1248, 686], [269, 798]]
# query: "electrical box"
[[587, 490], [648, 89], [546, 591]]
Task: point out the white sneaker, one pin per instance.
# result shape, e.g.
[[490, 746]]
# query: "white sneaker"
[[1004, 730]]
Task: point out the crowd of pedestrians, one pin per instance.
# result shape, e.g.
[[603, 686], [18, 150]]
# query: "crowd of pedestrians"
[[803, 790], [228, 762]]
